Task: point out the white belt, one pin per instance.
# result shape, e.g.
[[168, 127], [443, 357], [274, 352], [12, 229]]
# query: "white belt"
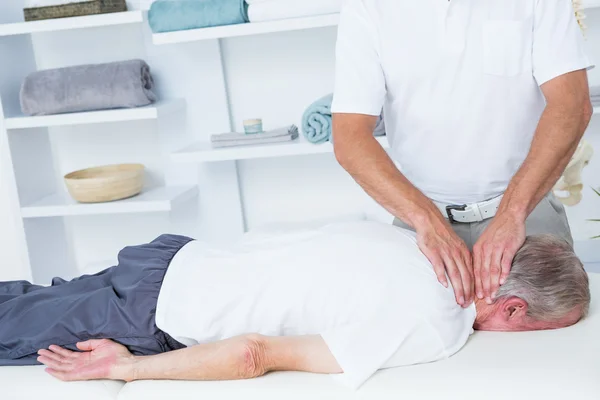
[[470, 213]]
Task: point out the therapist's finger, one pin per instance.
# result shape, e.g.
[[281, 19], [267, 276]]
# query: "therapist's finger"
[[477, 263], [468, 278], [440, 270], [485, 272], [465, 274], [438, 265], [455, 277], [507, 259], [495, 271]]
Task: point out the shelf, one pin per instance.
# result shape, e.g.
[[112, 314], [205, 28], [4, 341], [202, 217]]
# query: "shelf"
[[96, 117], [203, 152], [63, 24], [161, 199], [292, 24]]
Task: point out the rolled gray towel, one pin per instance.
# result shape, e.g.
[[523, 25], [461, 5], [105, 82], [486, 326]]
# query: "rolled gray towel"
[[124, 84]]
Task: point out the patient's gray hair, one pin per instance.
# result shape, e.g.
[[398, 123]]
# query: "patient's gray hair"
[[548, 275]]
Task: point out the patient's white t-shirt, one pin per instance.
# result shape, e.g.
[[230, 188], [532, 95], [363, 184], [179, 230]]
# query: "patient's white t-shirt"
[[365, 287]]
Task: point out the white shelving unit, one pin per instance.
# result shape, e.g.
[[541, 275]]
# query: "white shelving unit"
[[96, 117], [32, 159], [248, 29], [204, 152], [161, 199], [63, 24]]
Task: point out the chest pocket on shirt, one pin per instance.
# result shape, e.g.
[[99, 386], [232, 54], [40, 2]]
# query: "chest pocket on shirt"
[[507, 48]]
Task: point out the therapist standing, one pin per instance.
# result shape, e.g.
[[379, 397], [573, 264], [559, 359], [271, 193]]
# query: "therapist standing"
[[485, 102]]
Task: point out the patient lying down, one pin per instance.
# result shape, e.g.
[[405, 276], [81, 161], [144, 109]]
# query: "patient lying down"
[[346, 299]]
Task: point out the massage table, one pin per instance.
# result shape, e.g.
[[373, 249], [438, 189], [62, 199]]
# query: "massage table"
[[561, 364]]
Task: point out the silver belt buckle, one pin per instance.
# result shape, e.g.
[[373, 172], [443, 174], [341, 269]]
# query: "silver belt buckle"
[[454, 207]]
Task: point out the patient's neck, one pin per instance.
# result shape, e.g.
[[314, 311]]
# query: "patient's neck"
[[484, 311]]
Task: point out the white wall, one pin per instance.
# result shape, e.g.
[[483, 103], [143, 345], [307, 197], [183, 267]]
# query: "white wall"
[[589, 208], [275, 77], [14, 264]]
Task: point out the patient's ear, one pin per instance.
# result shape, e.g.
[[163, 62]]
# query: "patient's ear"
[[514, 309]]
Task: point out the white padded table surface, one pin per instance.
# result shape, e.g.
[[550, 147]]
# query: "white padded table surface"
[[561, 364], [27, 383]]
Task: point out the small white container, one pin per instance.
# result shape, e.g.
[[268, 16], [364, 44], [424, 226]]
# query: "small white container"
[[252, 126]]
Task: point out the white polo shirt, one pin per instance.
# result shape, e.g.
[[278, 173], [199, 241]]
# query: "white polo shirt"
[[458, 81]]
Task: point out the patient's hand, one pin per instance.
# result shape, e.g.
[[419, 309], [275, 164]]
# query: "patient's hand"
[[98, 359]]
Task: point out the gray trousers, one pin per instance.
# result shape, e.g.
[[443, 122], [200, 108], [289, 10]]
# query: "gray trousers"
[[118, 303], [548, 217]]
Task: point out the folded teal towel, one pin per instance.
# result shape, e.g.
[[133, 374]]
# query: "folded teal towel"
[[178, 15], [316, 122]]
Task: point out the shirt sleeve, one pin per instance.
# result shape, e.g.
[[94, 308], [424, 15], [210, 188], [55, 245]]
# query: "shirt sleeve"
[[359, 78], [362, 348], [558, 43]]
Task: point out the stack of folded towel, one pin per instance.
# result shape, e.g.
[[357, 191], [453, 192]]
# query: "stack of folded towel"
[[125, 84], [595, 93], [178, 15], [36, 10], [269, 10], [282, 135], [316, 122]]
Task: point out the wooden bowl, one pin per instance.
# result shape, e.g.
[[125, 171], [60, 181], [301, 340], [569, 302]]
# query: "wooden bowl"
[[107, 183]]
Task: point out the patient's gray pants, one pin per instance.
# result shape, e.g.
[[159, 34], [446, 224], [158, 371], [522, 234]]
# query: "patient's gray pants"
[[548, 217], [118, 303]]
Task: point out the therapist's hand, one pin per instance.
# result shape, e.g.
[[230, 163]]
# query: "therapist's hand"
[[494, 252], [448, 254]]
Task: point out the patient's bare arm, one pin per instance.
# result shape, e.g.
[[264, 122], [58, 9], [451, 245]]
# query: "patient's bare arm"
[[242, 357]]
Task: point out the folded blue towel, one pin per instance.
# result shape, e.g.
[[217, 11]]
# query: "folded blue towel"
[[316, 122], [178, 15]]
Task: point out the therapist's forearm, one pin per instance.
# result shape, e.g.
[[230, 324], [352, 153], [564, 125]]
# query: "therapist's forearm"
[[558, 134], [368, 163]]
